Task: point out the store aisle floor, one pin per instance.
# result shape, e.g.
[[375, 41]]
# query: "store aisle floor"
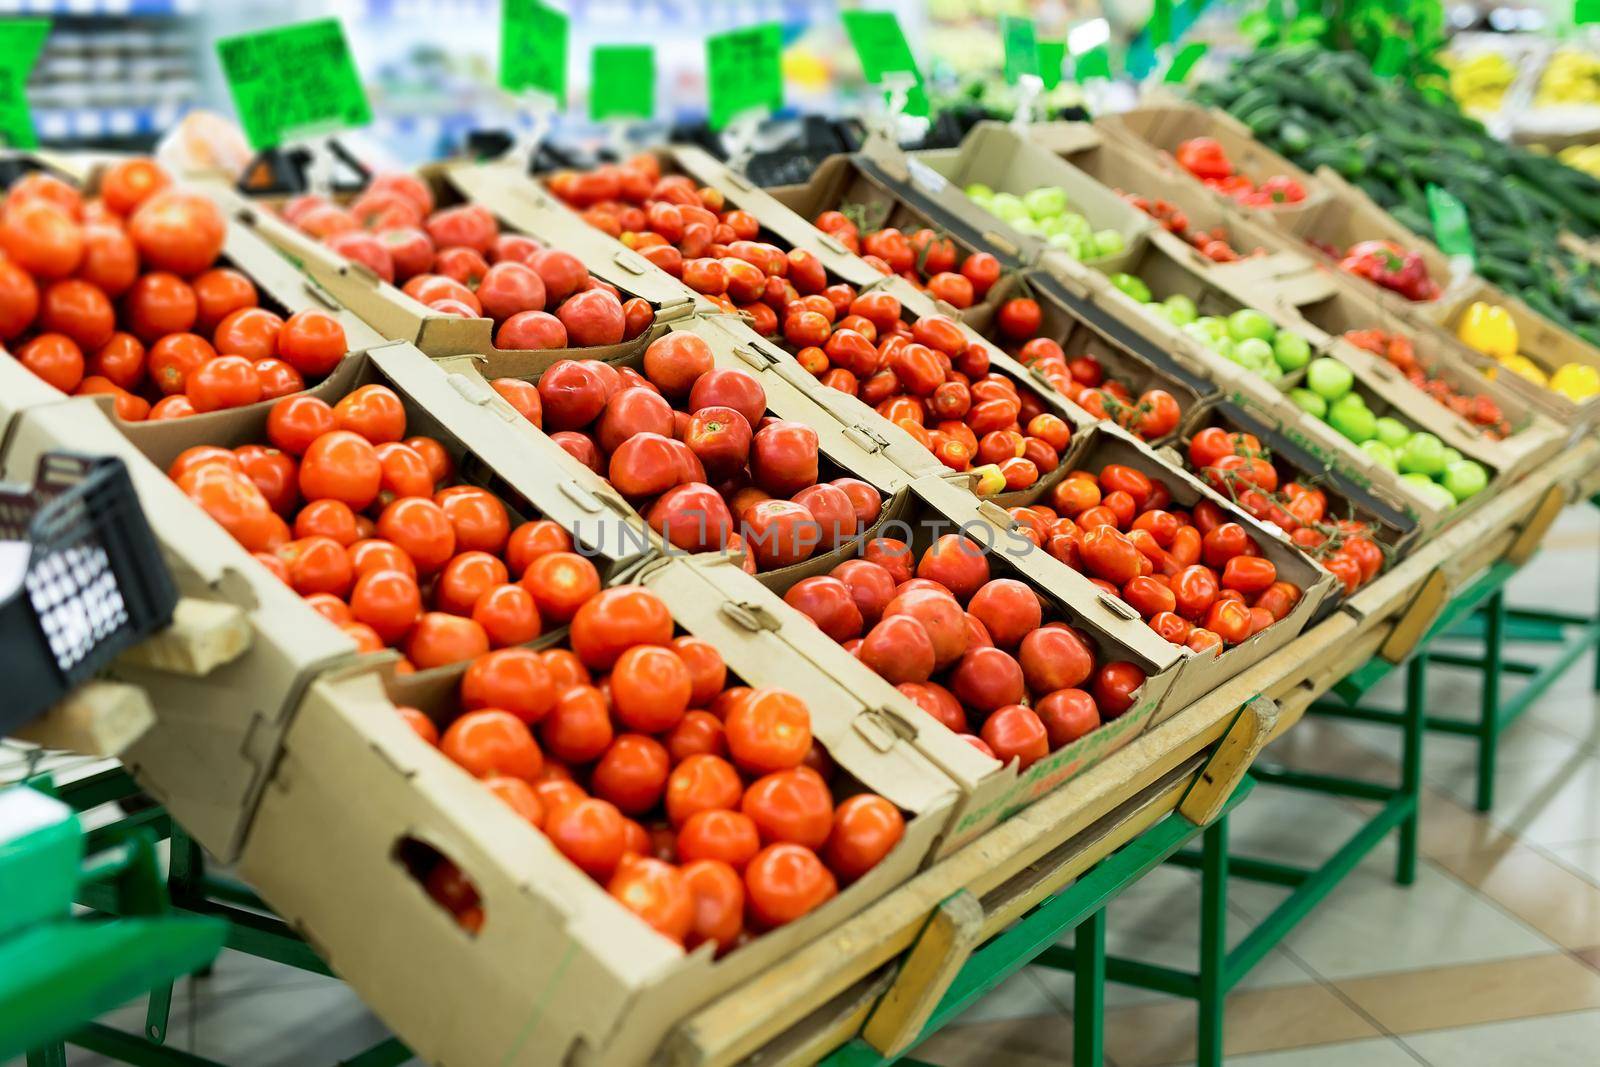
[[1493, 957]]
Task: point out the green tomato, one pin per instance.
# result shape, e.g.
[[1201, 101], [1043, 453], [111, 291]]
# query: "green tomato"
[[1226, 349], [1423, 454], [1393, 432], [1109, 242], [1044, 202], [1254, 353], [1078, 226], [1380, 453], [1353, 421], [1269, 371], [1248, 322], [1007, 208], [1464, 479], [1067, 243], [1026, 226], [1291, 350], [1132, 286], [1451, 456], [1051, 225], [1329, 378], [978, 190], [1180, 309], [1309, 402]]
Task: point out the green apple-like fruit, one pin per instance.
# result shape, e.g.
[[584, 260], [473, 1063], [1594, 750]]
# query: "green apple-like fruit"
[[1423, 454], [1451, 456], [1109, 242], [1270, 371], [1008, 207], [1132, 286], [1254, 353], [1078, 226], [1354, 421], [1046, 201], [1329, 378], [1431, 491], [1051, 225], [1026, 226], [1291, 350], [978, 190], [1180, 309], [1309, 402], [1067, 243], [1380, 453], [1393, 432], [1248, 322], [1464, 479]]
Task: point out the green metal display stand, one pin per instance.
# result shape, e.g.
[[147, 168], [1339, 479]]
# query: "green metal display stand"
[[1032, 939], [240, 919], [57, 969]]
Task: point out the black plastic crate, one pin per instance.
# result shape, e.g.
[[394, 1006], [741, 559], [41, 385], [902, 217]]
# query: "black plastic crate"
[[83, 579]]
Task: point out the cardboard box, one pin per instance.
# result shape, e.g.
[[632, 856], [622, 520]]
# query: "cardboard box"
[[856, 181], [560, 972], [397, 316], [1200, 673], [1547, 343], [1007, 161], [1349, 216], [1158, 129], [1128, 170], [1393, 529], [1082, 328], [870, 449], [927, 509], [21, 389], [1534, 436]]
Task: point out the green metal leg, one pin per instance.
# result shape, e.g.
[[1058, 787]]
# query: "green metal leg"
[[49, 1056], [1494, 611], [1405, 871], [1089, 991], [129, 1048], [1213, 988], [157, 1012]]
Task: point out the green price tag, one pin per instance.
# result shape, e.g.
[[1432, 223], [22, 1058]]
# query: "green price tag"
[[1185, 60], [1391, 57], [744, 71], [882, 48], [533, 49], [1161, 23], [1585, 11], [622, 82], [294, 81], [1450, 229], [1022, 48], [21, 40], [1095, 63], [1052, 55]]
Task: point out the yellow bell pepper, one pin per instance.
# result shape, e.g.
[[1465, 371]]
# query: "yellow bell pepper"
[[1490, 329], [1576, 381]]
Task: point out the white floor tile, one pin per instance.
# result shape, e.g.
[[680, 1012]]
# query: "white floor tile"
[[1547, 1041], [1378, 1052]]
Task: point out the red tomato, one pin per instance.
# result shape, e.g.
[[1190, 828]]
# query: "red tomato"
[[785, 881]]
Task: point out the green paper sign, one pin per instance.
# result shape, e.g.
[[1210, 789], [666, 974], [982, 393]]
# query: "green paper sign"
[[1391, 57], [744, 72], [882, 48], [1022, 48], [1185, 60], [1585, 11], [1095, 63], [21, 40], [622, 82], [1052, 56], [1450, 229], [533, 48], [293, 81], [1161, 23]]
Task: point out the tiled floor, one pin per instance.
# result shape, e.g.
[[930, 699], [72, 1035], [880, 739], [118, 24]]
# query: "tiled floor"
[[1491, 958]]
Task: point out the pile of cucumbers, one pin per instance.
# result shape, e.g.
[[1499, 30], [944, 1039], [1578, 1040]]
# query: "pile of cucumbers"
[[1322, 108]]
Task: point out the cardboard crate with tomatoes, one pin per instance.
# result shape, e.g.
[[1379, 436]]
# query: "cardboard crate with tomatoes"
[[629, 855], [1202, 573], [1016, 194], [962, 613], [711, 444], [125, 285], [421, 261], [1216, 152], [1419, 356], [1095, 360], [1248, 461]]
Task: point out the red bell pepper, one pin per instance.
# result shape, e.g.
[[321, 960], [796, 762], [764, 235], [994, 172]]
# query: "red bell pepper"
[[1386, 264], [1205, 158]]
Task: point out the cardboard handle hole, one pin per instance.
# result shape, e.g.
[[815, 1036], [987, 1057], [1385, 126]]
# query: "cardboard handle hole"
[[450, 888]]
